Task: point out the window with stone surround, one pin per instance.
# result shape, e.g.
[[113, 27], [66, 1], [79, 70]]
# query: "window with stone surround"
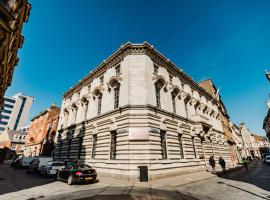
[[117, 70], [155, 69], [113, 145], [163, 144], [158, 86], [174, 94], [180, 139], [99, 99], [94, 146], [101, 79], [80, 147], [116, 96]]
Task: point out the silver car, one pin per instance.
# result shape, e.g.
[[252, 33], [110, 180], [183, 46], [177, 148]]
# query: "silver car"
[[51, 168]]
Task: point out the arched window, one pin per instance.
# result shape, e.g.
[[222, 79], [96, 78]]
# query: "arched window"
[[158, 86]]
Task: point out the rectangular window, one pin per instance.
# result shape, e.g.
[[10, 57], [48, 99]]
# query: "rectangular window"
[[194, 147], [3, 123], [116, 97], [113, 145], [101, 80], [6, 111], [158, 88], [80, 147], [68, 149], [170, 78], [99, 104], [173, 103], [75, 114], [94, 146], [8, 106], [60, 148], [86, 110], [155, 69], [163, 144], [180, 139], [9, 100], [117, 70]]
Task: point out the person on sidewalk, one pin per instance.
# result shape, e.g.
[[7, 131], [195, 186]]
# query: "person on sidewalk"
[[223, 165], [245, 163], [212, 162]]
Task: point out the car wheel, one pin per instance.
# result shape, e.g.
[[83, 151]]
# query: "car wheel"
[[70, 180]]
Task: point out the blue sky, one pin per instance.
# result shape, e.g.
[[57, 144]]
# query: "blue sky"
[[227, 41]]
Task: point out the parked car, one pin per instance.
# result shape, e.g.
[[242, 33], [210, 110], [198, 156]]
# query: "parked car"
[[267, 160], [25, 161], [51, 168], [35, 165], [77, 172]]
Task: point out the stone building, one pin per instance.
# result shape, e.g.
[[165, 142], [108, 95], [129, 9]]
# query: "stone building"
[[266, 121], [250, 147], [42, 132], [139, 109], [225, 119], [13, 14]]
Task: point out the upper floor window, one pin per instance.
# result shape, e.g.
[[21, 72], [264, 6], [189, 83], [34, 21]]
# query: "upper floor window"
[[158, 86], [117, 70], [170, 78], [116, 96], [173, 101], [155, 69], [101, 79], [99, 103]]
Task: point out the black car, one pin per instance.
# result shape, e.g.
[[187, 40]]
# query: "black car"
[[76, 172]]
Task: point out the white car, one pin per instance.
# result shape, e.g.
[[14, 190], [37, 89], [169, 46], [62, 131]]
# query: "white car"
[[51, 168], [267, 160], [25, 161]]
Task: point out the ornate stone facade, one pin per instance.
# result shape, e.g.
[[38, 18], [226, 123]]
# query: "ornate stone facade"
[[138, 109], [13, 13]]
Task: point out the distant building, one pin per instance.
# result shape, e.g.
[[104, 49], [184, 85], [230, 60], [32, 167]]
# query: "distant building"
[[15, 112], [262, 143], [42, 131], [250, 147], [13, 142], [13, 14], [211, 88], [139, 109]]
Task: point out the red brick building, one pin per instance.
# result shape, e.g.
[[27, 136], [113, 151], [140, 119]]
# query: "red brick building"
[[42, 131]]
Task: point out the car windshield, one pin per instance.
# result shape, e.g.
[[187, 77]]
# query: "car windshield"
[[79, 165]]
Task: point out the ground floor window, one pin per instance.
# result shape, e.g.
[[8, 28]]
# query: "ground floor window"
[[194, 147], [180, 139], [60, 148], [80, 147], [68, 149], [94, 146], [163, 144], [113, 145]]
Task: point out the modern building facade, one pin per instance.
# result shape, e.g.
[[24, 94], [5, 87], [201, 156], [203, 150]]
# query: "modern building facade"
[[225, 119], [42, 131], [15, 112], [138, 109], [13, 14]]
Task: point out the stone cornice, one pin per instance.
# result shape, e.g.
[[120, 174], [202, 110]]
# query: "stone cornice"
[[144, 48]]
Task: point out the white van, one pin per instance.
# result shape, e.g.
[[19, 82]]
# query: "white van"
[[35, 165]]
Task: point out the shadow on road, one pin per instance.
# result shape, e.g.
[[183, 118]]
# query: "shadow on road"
[[12, 180], [258, 174]]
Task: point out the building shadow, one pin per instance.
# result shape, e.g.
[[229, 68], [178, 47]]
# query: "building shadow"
[[258, 174]]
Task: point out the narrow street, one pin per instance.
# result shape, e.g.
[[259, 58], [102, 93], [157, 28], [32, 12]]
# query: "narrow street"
[[241, 184]]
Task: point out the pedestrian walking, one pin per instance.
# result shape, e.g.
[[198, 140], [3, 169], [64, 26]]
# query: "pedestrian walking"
[[245, 163], [212, 162], [223, 165]]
